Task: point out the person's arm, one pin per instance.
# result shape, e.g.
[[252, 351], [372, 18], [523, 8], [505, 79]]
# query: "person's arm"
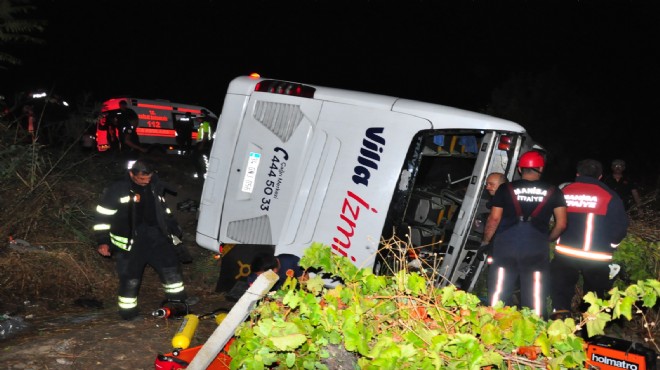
[[492, 223], [560, 223]]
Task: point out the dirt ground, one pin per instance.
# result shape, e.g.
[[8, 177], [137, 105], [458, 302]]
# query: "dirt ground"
[[81, 335]]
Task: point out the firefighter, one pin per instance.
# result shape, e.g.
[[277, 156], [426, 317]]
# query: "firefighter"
[[597, 222], [518, 229], [134, 224], [184, 129], [127, 122]]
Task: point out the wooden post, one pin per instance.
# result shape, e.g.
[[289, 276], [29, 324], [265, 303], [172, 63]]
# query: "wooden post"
[[234, 318]]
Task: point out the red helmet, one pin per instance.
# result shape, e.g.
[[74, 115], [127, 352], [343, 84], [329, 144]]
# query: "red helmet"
[[531, 159]]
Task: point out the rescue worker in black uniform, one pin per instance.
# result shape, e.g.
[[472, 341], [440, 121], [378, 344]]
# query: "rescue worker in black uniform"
[[134, 224], [127, 122], [184, 130], [518, 229], [624, 186], [597, 222]]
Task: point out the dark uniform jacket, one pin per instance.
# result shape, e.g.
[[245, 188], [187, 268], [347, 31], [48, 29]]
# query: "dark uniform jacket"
[[624, 187], [118, 213], [529, 195], [126, 118], [597, 220]]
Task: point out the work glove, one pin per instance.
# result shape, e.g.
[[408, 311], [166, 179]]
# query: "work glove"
[[484, 251]]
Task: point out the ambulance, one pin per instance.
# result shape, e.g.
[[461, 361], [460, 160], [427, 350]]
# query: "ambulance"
[[299, 163], [157, 124]]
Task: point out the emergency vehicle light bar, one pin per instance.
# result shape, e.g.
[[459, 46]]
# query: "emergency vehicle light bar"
[[285, 88], [154, 106]]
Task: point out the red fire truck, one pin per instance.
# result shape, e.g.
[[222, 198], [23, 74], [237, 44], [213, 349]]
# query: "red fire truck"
[[158, 120]]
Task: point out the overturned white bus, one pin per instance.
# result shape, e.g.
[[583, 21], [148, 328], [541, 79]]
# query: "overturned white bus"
[[297, 163]]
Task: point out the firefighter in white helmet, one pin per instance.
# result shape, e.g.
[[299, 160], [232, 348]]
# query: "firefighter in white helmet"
[[134, 224], [518, 229]]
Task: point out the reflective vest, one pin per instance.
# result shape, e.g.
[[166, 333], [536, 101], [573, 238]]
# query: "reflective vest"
[[204, 131]]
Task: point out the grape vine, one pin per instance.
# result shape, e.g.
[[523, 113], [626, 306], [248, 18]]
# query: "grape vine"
[[404, 322]]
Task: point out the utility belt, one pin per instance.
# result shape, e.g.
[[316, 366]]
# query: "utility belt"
[[583, 254]]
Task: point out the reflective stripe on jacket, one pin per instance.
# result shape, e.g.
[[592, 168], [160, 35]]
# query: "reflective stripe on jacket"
[[115, 215], [597, 221]]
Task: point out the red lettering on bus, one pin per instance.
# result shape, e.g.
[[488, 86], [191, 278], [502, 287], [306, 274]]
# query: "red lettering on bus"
[[350, 213]]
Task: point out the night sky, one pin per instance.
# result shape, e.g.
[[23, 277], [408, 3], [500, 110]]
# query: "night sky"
[[456, 53]]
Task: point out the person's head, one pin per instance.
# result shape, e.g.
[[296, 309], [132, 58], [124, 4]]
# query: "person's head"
[[531, 164], [590, 168], [141, 172], [123, 104], [493, 181], [263, 262], [618, 166]]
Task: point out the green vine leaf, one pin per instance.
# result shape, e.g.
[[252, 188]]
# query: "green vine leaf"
[[651, 289], [288, 342], [543, 342], [624, 309], [591, 298], [596, 323], [416, 284], [291, 299], [524, 332], [290, 360], [490, 334], [315, 284], [373, 284]]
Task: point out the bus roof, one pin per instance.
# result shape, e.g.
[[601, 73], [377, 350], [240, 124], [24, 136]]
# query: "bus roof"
[[440, 116]]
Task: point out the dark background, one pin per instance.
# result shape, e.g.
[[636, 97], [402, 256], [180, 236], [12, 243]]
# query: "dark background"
[[581, 76]]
